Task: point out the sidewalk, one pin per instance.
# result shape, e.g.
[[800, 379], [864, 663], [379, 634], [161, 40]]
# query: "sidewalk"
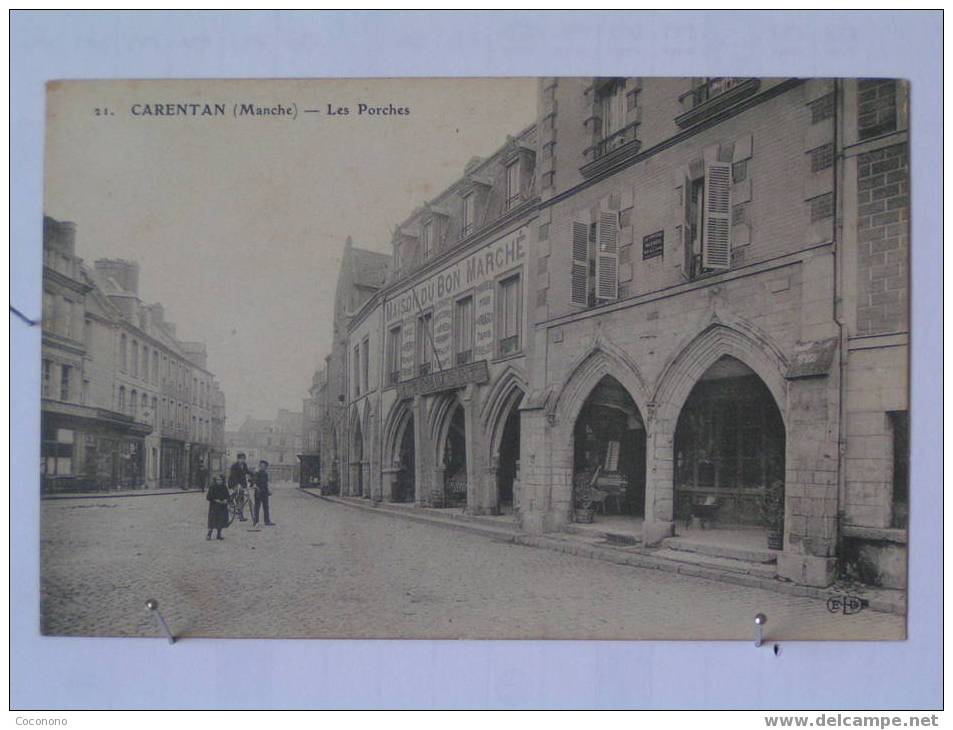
[[592, 546], [119, 493]]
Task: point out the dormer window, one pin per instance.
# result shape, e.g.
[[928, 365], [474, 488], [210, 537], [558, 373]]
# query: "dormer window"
[[426, 236], [468, 218], [513, 184]]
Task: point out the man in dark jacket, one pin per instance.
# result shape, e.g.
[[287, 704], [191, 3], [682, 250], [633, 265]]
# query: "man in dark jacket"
[[262, 492], [238, 479]]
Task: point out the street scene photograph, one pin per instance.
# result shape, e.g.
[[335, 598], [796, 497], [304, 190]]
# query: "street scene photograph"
[[594, 358]]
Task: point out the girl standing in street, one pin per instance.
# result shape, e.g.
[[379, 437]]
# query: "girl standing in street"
[[217, 497]]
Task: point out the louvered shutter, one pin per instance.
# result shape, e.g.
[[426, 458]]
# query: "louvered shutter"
[[688, 248], [607, 255], [579, 293], [716, 241]]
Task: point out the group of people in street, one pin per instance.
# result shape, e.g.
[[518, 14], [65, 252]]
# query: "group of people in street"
[[222, 491]]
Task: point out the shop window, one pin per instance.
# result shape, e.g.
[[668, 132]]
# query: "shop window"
[[509, 306], [463, 331], [394, 344], [424, 343], [900, 426], [729, 443], [65, 383], [57, 451]]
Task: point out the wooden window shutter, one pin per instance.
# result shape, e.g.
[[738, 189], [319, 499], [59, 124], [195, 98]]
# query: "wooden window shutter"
[[607, 255], [579, 289], [716, 239], [688, 247]]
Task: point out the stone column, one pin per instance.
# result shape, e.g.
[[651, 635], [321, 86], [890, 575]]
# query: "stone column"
[[423, 456], [490, 503], [659, 479], [368, 487], [389, 479], [536, 482], [810, 485]]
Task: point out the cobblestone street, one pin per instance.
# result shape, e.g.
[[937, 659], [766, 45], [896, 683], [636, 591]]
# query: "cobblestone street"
[[327, 570]]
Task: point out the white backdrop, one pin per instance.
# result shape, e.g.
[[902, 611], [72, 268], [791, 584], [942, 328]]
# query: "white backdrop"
[[130, 673]]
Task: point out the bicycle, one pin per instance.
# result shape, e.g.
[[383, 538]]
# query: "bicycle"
[[239, 505]]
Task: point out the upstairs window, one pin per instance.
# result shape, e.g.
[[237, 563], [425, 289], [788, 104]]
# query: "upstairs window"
[[122, 353], [611, 107], [47, 378], [356, 369], [394, 344], [509, 307], [463, 331], [595, 260], [512, 185], [365, 365], [425, 343], [426, 236], [135, 359], [706, 227], [65, 382], [468, 218]]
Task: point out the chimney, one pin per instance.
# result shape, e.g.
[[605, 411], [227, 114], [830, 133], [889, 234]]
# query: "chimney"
[[124, 273]]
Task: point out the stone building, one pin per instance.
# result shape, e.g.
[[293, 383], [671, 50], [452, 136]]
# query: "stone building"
[[436, 367], [277, 441], [724, 305], [110, 419], [362, 274], [709, 328]]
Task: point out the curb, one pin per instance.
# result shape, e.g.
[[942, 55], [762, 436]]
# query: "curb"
[[120, 495], [621, 556], [448, 521]]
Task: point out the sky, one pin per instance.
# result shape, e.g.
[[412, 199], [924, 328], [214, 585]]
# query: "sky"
[[238, 222]]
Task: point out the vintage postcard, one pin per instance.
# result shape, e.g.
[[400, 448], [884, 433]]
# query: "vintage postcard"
[[495, 358]]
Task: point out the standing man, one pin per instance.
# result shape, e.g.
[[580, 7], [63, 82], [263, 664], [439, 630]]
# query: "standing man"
[[238, 478], [261, 493]]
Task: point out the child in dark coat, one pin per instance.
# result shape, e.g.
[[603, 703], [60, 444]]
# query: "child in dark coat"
[[217, 497]]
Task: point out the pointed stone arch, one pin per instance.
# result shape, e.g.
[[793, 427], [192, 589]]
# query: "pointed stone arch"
[[507, 392], [699, 352], [398, 420], [604, 358]]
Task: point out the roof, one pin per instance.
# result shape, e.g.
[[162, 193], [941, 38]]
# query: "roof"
[[370, 267]]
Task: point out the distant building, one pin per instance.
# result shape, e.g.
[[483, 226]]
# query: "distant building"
[[277, 441], [310, 456], [124, 403], [362, 274]]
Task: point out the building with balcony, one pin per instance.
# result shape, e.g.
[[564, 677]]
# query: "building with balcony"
[[722, 325], [670, 304]]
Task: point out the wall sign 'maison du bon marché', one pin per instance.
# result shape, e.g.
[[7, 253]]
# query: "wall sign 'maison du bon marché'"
[[485, 264]]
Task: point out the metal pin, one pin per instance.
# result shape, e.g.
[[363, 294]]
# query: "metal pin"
[[759, 621], [153, 606]]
